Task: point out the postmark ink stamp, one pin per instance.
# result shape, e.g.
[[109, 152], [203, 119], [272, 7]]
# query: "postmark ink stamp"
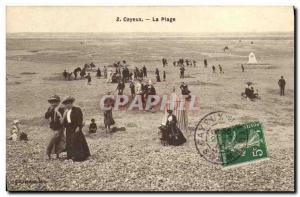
[[221, 139]]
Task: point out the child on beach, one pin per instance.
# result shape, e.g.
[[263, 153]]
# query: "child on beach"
[[93, 126], [16, 133]]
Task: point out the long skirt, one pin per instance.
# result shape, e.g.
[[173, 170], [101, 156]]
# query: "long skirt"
[[108, 118], [57, 142], [80, 148], [176, 137], [76, 145]]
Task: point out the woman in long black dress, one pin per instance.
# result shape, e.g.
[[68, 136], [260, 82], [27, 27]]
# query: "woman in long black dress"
[[76, 145], [176, 137]]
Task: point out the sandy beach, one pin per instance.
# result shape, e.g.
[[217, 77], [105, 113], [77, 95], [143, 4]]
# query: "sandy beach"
[[134, 159]]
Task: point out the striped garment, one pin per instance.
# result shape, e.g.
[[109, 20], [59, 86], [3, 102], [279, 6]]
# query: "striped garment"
[[181, 114]]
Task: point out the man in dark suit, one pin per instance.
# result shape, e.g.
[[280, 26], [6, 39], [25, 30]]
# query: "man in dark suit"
[[145, 71], [76, 145], [181, 72], [65, 74], [120, 87], [205, 63], [281, 84]]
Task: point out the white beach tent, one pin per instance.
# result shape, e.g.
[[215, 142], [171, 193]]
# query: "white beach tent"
[[252, 59]]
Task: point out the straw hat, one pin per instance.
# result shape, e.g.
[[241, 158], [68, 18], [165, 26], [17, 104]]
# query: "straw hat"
[[68, 99], [54, 98]]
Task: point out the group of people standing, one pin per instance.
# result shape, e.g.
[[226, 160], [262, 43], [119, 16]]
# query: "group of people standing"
[[121, 72], [144, 90], [185, 62], [82, 72], [66, 120], [220, 69], [140, 73]]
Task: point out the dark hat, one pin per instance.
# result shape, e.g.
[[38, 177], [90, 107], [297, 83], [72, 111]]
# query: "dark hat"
[[68, 99], [93, 120], [54, 98]]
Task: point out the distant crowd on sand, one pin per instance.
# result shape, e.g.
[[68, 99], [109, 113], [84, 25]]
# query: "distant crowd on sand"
[[119, 70], [66, 119]]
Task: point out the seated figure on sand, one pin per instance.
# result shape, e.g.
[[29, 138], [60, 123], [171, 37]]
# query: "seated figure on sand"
[[170, 132], [93, 126], [175, 103], [249, 92], [16, 133]]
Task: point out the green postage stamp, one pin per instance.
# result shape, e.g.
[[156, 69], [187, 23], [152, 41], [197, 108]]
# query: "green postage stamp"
[[241, 143]]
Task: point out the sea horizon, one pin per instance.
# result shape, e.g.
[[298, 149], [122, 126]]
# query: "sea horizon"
[[235, 35]]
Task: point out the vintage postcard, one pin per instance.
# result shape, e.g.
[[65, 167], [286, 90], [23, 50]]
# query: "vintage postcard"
[[153, 98]]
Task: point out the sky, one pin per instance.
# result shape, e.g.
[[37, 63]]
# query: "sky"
[[188, 19]]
